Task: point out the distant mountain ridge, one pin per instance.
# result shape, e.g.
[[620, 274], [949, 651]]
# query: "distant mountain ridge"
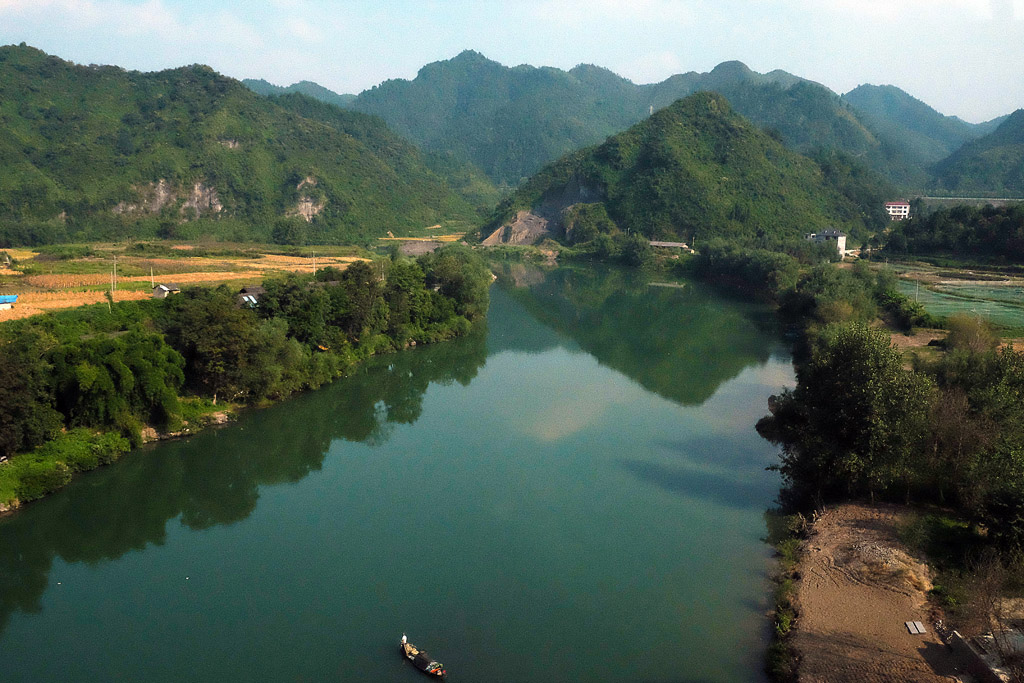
[[102, 153], [991, 164], [893, 112], [510, 121], [309, 88]]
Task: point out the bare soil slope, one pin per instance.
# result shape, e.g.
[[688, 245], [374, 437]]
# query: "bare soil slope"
[[858, 586]]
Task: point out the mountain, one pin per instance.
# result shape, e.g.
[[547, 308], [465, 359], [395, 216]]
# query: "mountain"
[[462, 177], [309, 88], [990, 165], [695, 169], [507, 121], [893, 113], [101, 153], [512, 121]]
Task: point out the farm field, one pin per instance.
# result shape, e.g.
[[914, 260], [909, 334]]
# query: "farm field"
[[67, 277], [996, 298]]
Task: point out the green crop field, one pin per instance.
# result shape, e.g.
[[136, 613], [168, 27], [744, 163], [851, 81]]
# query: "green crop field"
[[1000, 305]]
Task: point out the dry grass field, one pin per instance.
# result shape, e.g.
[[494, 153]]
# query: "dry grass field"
[[77, 282]]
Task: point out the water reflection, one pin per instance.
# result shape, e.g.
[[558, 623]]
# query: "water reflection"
[[214, 478], [679, 342]]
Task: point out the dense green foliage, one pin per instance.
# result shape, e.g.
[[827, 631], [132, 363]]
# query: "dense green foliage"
[[695, 169], [856, 417], [512, 121], [991, 166], [101, 153], [991, 233], [123, 367], [859, 422], [407, 161], [50, 466]]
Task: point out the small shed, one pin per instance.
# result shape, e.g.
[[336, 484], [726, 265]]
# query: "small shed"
[[162, 291], [250, 295], [7, 301]]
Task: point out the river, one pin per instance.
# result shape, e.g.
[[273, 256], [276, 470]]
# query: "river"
[[573, 493]]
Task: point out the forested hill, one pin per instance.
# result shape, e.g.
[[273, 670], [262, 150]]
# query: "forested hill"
[[695, 168], [992, 164], [100, 153], [896, 114], [314, 90], [511, 121]]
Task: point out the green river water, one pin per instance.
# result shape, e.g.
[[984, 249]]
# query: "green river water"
[[574, 493]]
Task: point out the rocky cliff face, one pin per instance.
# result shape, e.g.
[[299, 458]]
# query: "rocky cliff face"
[[531, 227], [201, 199], [310, 203]]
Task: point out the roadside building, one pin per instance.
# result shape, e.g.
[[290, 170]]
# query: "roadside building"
[[162, 291], [7, 301], [898, 211], [830, 235]]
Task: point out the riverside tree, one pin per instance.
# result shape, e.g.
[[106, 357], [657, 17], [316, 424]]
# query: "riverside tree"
[[856, 419]]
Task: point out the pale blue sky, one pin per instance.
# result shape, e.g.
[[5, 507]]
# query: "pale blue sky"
[[963, 57]]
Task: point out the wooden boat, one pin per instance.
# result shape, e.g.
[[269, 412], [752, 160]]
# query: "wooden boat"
[[421, 660]]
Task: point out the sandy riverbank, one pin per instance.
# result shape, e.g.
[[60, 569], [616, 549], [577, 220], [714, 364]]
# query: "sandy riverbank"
[[858, 586]]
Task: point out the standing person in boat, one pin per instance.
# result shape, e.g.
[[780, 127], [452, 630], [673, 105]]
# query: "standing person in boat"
[[404, 640]]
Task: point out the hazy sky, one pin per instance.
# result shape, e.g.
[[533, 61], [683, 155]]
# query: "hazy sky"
[[963, 57]]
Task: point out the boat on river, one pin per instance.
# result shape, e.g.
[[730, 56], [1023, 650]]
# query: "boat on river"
[[420, 659]]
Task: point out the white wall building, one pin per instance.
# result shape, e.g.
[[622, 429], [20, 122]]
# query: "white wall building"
[[829, 236], [898, 210]]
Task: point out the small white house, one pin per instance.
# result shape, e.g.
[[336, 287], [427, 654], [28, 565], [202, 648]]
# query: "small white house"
[[898, 211], [829, 236], [7, 301]]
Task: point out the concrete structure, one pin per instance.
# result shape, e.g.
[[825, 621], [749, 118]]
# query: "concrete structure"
[[164, 291], [829, 235], [898, 211], [7, 301]]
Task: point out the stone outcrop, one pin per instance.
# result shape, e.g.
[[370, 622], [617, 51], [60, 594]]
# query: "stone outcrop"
[[545, 219], [203, 200], [152, 198], [307, 206]]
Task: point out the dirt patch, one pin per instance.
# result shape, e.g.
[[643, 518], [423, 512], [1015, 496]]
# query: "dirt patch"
[[919, 339], [858, 585], [419, 247], [526, 228]]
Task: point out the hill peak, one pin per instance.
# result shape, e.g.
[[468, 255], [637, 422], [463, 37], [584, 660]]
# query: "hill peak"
[[734, 69]]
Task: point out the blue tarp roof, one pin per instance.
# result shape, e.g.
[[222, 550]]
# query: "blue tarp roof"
[[8, 298]]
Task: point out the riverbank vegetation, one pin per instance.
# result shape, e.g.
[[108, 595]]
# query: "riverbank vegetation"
[[988, 233], [122, 367], [867, 422]]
